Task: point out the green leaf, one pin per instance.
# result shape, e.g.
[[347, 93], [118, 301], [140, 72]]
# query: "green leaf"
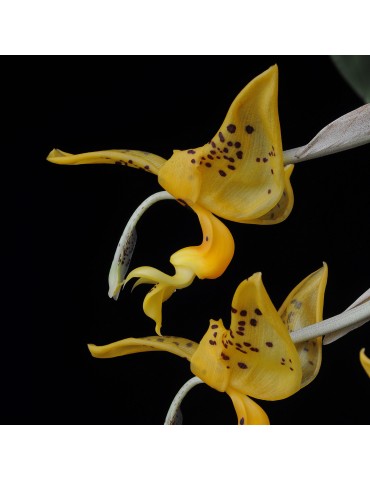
[[356, 70]]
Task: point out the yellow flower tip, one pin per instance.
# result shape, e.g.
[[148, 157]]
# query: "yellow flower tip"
[[365, 361]]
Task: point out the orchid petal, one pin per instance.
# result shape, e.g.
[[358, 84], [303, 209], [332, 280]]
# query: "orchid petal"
[[239, 175], [131, 158], [256, 356], [177, 345], [207, 260], [303, 307], [248, 411], [212, 257], [365, 361]]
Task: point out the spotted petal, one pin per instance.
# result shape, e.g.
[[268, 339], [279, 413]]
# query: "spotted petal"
[[256, 356], [239, 175], [248, 411], [303, 307], [130, 158], [177, 345], [283, 207]]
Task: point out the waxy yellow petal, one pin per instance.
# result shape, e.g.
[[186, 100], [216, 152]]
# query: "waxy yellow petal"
[[177, 345], [256, 356], [131, 158], [207, 260], [283, 207], [239, 175], [365, 361], [212, 257], [303, 307], [248, 411]]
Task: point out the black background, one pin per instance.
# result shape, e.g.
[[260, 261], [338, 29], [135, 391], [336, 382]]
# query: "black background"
[[74, 217]]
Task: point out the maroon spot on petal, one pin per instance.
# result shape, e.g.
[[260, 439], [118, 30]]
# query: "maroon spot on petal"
[[130, 162], [254, 349], [240, 333], [243, 313], [231, 159], [191, 152], [241, 329], [239, 154], [240, 350], [290, 368], [210, 157], [265, 159], [241, 421], [212, 342], [238, 345], [224, 357], [269, 191], [231, 335], [222, 138], [253, 322], [310, 362], [222, 173], [213, 144], [242, 365], [272, 171], [247, 344], [193, 160], [231, 128], [206, 239], [230, 342], [269, 344], [230, 144], [283, 359], [249, 129], [189, 344], [234, 310], [207, 164], [258, 159], [242, 322], [231, 167], [215, 334], [214, 326], [258, 311], [226, 150], [218, 157]]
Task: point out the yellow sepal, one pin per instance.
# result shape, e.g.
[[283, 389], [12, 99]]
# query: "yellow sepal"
[[131, 158], [303, 307]]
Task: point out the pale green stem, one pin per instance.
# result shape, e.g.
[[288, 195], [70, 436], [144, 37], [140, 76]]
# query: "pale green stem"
[[349, 131], [355, 317], [174, 416], [126, 244]]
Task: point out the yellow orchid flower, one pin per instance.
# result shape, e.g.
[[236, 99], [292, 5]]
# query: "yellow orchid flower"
[[256, 356], [239, 175], [365, 361]]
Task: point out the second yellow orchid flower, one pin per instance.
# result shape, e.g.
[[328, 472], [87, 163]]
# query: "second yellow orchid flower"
[[254, 357], [239, 175]]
